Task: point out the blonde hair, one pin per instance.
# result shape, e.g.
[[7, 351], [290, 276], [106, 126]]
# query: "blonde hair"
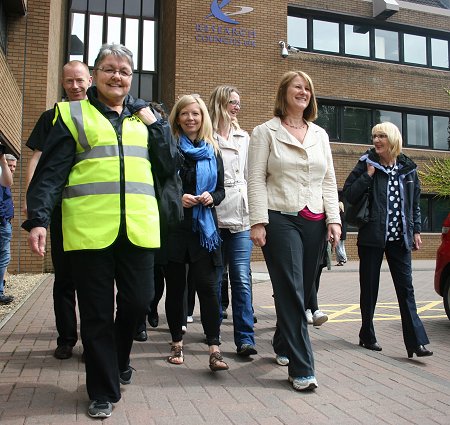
[[280, 109], [394, 137], [206, 130], [218, 106]]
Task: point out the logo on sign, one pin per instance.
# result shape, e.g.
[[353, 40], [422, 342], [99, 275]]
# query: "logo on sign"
[[224, 16]]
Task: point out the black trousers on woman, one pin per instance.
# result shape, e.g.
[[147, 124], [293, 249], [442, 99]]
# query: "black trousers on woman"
[[399, 260], [293, 253], [204, 274], [107, 337]]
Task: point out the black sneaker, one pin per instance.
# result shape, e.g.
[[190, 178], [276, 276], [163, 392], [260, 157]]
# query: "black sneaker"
[[125, 376], [6, 299], [246, 350], [100, 409], [63, 352]]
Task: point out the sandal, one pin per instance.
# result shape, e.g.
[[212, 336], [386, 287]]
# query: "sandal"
[[176, 355], [216, 362]]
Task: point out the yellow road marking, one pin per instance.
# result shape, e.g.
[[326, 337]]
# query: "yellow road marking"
[[385, 311]]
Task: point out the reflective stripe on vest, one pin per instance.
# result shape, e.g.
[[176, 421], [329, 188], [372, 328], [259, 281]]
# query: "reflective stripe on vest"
[[95, 200]]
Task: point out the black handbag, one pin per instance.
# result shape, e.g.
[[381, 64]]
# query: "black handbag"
[[358, 214]]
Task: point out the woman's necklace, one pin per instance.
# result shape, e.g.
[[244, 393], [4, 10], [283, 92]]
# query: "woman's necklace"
[[295, 126]]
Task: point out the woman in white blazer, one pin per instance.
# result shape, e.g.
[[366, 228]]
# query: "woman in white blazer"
[[293, 203], [232, 214]]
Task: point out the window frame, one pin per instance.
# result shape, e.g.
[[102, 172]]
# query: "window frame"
[[371, 24], [139, 74]]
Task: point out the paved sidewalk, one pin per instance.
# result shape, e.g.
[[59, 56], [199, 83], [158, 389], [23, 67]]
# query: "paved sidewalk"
[[356, 386]]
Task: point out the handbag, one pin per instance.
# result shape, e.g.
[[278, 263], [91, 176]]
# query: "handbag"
[[358, 214]]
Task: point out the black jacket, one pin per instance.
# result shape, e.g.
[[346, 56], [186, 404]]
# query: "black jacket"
[[182, 242], [374, 232]]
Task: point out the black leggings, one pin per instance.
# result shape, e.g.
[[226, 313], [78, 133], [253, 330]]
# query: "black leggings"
[[204, 274]]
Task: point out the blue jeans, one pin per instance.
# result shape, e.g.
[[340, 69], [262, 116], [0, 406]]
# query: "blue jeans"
[[236, 252], [5, 251]]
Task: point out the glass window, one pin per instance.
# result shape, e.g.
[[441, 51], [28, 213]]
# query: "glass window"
[[97, 6], [77, 37], [3, 24], [391, 116], [417, 130], [424, 214], [132, 38], [148, 46], [80, 5], [114, 29], [148, 8], [328, 119], [95, 37], [146, 86], [357, 125], [439, 53], [326, 36], [386, 45], [133, 7], [415, 49], [357, 40], [441, 133], [297, 32], [440, 210], [114, 7]]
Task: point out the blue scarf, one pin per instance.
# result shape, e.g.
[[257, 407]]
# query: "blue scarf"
[[206, 177]]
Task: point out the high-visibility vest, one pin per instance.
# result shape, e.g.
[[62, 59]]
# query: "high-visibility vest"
[[111, 180]]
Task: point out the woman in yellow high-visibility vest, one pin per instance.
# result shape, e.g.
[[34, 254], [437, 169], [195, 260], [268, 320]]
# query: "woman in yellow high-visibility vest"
[[101, 155]]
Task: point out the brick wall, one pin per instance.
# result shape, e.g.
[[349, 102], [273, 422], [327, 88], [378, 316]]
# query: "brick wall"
[[35, 46], [200, 66]]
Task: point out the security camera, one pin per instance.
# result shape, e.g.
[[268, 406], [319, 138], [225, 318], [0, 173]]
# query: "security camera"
[[284, 50], [292, 48]]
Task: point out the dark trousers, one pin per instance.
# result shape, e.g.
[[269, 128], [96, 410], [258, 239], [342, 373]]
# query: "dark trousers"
[[107, 341], [399, 260], [293, 253], [159, 290], [203, 273], [64, 301]]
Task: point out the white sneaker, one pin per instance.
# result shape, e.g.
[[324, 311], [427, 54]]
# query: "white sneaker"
[[282, 360], [183, 329], [190, 319], [309, 317], [319, 318]]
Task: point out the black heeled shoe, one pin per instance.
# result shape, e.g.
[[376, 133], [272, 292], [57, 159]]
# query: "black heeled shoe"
[[374, 346], [420, 351]]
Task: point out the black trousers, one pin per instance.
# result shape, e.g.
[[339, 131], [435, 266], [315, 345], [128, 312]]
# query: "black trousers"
[[64, 300], [293, 253], [204, 273], [399, 261], [107, 340]]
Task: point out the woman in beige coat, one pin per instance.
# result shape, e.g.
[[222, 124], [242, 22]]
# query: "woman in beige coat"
[[293, 204]]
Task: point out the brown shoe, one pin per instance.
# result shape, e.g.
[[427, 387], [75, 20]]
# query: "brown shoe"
[[216, 362], [63, 352]]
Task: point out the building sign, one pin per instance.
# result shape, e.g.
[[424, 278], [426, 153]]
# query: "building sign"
[[222, 28]]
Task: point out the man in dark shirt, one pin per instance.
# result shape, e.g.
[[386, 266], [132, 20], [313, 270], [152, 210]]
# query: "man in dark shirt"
[[6, 215], [75, 80]]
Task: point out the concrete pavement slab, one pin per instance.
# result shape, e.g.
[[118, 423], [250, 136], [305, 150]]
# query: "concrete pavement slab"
[[356, 386]]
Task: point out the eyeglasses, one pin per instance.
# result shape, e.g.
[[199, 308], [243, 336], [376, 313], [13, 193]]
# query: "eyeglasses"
[[379, 136], [234, 102], [122, 72]]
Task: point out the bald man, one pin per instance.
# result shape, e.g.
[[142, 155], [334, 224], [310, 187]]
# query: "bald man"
[[76, 79]]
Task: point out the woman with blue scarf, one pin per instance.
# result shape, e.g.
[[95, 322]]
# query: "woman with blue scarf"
[[195, 241]]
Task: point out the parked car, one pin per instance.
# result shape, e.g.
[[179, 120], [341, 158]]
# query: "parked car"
[[442, 272]]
